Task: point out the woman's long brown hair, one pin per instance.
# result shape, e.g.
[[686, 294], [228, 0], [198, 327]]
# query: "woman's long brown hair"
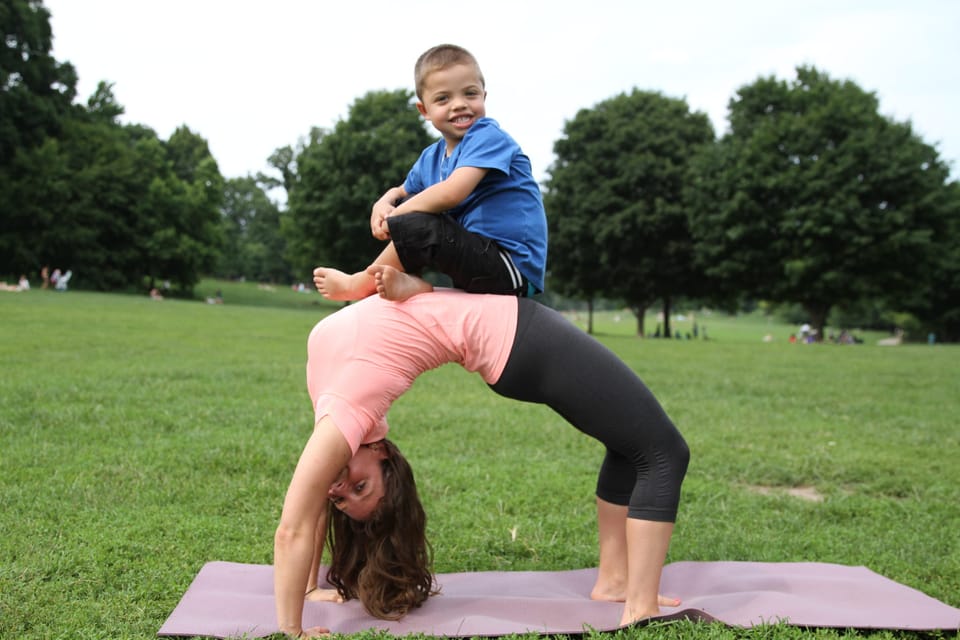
[[385, 562]]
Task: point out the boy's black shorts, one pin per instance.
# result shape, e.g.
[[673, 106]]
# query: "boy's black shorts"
[[436, 242]]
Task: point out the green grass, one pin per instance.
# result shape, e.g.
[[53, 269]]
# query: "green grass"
[[140, 440], [263, 295]]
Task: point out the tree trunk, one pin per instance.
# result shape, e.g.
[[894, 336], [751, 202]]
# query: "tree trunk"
[[640, 312], [590, 316], [667, 333], [818, 318]]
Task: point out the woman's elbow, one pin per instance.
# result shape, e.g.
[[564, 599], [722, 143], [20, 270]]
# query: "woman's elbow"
[[287, 535], [294, 527]]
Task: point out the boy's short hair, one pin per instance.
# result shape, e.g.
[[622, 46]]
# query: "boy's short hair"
[[441, 57]]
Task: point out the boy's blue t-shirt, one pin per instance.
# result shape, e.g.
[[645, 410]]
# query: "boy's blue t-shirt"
[[506, 206]]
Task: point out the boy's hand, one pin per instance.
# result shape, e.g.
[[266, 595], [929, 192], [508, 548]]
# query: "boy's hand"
[[383, 209], [378, 219]]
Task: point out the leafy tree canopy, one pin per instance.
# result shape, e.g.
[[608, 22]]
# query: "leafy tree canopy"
[[814, 197], [36, 91], [615, 200], [341, 173], [253, 244]]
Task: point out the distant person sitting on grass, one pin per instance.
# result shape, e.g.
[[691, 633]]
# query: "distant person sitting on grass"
[[63, 281], [469, 208], [12, 288], [363, 357]]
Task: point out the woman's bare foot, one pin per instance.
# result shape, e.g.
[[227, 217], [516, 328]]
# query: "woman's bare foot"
[[393, 284], [337, 285], [608, 592], [631, 614]]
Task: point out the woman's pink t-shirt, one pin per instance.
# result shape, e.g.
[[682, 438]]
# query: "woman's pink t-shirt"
[[363, 357]]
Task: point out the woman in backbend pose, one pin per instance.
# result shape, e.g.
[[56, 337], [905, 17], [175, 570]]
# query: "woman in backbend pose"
[[363, 357]]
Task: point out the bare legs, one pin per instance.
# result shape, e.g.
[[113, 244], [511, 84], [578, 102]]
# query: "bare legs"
[[396, 285], [611, 582], [334, 284], [384, 277], [632, 553]]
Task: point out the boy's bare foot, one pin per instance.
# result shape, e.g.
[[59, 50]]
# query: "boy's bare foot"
[[337, 285], [393, 284]]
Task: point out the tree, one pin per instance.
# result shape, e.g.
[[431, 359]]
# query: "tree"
[[574, 257], [572, 260], [184, 237], [187, 151], [36, 93], [815, 198], [80, 191], [615, 201], [33, 191], [342, 172], [253, 244], [125, 219], [103, 201], [103, 105], [284, 161], [74, 194], [936, 302]]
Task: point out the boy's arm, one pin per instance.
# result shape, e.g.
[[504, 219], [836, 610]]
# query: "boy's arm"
[[443, 195]]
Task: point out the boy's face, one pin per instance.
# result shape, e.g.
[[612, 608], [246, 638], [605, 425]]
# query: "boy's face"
[[453, 99]]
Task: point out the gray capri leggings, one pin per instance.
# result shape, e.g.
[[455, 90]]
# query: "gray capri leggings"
[[553, 362]]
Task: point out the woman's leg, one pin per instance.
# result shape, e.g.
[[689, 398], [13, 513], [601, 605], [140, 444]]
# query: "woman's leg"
[[612, 571], [555, 363], [647, 545], [649, 540]]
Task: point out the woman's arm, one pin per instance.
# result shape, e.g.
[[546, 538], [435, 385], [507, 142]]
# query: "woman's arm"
[[319, 538], [324, 455], [314, 592]]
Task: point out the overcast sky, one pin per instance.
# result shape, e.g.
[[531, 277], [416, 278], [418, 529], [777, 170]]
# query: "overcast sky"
[[250, 76]]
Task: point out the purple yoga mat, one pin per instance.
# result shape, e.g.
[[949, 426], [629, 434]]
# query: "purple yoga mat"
[[230, 599]]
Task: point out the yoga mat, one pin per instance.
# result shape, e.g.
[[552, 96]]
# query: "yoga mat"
[[230, 599]]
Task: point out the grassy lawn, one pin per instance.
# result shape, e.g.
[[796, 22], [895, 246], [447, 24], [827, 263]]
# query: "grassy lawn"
[[142, 439]]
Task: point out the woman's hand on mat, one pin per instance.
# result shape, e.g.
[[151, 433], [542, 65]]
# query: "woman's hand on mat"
[[314, 632], [323, 595]]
